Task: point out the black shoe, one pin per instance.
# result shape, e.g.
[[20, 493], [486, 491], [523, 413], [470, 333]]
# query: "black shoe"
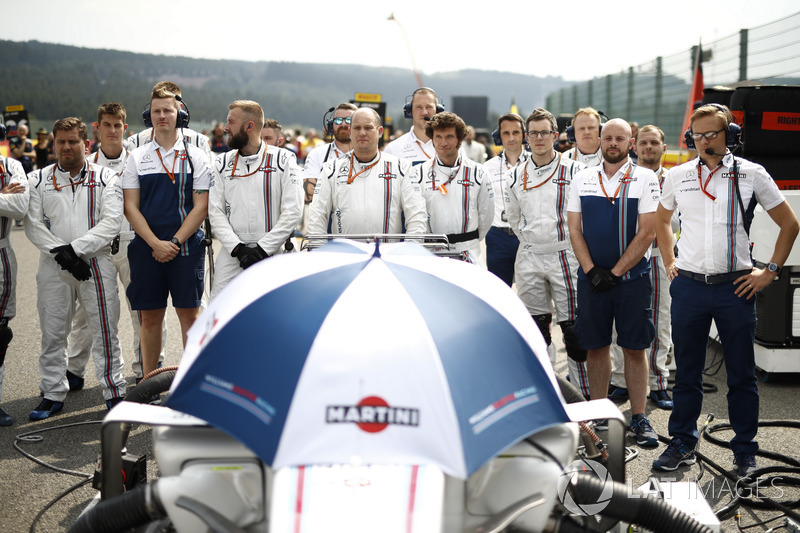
[[5, 418], [676, 454], [745, 464], [75, 382], [45, 409], [662, 399], [618, 395], [110, 404]]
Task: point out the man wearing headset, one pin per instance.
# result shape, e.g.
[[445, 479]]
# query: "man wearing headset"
[[256, 201], [415, 146], [192, 137], [536, 202], [458, 193], [339, 127], [14, 198], [74, 214], [586, 129], [367, 190], [501, 242], [714, 278], [165, 185]]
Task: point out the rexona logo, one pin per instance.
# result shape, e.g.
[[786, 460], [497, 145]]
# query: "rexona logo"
[[372, 414]]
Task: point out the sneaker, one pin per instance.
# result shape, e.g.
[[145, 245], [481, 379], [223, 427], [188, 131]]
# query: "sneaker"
[[601, 425], [75, 382], [676, 454], [618, 395], [110, 404], [745, 464], [643, 432], [45, 409], [662, 399], [5, 418]]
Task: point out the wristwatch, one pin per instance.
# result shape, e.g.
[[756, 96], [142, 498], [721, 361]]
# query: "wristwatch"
[[175, 241], [773, 267]]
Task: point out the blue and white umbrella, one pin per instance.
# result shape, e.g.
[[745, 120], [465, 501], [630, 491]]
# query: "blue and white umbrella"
[[383, 355]]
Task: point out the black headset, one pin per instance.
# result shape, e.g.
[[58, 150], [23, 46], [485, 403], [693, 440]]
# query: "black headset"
[[410, 100], [328, 122], [733, 131], [496, 133], [2, 132], [183, 114], [570, 131]]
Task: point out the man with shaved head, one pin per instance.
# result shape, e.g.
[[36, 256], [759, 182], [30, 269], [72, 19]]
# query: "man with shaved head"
[[610, 217], [366, 190]]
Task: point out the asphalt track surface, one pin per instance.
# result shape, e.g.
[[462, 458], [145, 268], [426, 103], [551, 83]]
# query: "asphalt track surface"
[[26, 487]]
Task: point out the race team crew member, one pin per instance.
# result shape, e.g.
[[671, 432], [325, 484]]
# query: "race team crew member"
[[586, 127], [458, 192], [165, 186], [713, 278], [75, 212], [501, 242], [340, 129], [546, 270], [368, 190], [415, 146], [189, 135], [256, 201], [14, 198], [610, 217], [111, 125]]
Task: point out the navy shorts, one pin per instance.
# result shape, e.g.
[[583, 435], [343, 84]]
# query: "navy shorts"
[[627, 306], [151, 281]]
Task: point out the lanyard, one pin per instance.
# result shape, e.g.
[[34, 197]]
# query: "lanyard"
[[72, 183], [443, 187], [422, 149], [525, 176], [616, 193], [170, 174], [703, 186], [351, 176], [236, 160]]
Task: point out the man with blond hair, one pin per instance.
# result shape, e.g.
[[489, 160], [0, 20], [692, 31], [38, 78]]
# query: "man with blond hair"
[[256, 201], [415, 146], [713, 278], [586, 130], [165, 185]]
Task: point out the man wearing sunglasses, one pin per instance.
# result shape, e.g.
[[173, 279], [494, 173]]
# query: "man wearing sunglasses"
[[339, 128], [714, 278], [536, 204]]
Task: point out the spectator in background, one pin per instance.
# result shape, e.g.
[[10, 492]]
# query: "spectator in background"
[[22, 148], [44, 148], [311, 141], [218, 144], [472, 148]]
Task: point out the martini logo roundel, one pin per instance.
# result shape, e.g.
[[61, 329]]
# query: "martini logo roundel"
[[372, 414]]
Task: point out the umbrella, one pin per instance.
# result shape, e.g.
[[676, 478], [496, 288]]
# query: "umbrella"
[[381, 354]]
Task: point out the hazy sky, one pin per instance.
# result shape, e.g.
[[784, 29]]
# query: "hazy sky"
[[576, 40]]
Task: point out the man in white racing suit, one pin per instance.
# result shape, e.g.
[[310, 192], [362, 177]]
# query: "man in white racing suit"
[[14, 197], [75, 213], [367, 191], [339, 127], [546, 270], [415, 146], [458, 192], [256, 201]]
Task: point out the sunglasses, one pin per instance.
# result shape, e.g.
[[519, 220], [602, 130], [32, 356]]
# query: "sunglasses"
[[338, 120]]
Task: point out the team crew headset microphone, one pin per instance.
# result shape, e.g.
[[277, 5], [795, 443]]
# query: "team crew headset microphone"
[[410, 100], [570, 131], [733, 134], [182, 121], [498, 141]]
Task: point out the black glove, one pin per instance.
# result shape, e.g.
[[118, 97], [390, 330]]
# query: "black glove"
[[248, 255], [602, 279], [68, 260]]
